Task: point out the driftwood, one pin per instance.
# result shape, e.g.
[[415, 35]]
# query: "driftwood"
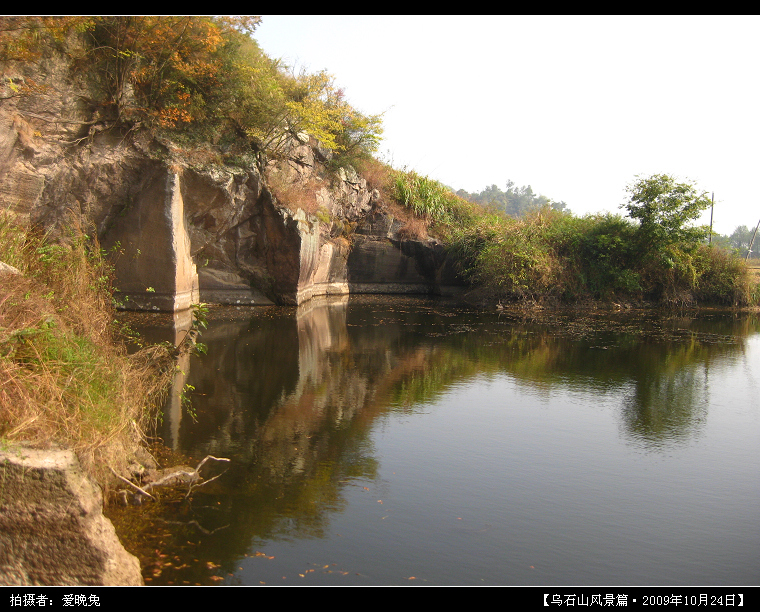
[[172, 477], [131, 484]]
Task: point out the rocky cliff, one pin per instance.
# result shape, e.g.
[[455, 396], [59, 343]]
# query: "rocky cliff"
[[183, 227]]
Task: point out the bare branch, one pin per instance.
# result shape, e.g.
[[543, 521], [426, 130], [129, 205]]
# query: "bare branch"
[[41, 118], [131, 484]]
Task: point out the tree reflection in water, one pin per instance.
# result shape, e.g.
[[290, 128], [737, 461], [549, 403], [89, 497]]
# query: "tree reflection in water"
[[292, 396]]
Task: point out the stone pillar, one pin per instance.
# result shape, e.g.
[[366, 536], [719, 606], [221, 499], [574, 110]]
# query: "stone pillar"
[[154, 268]]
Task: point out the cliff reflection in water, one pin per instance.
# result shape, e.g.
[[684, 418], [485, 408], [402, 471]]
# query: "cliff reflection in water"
[[291, 395], [283, 375]]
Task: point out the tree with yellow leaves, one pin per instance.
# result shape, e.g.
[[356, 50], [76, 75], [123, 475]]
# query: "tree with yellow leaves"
[[155, 63], [196, 75]]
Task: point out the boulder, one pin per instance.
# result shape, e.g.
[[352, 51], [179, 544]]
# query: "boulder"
[[52, 528]]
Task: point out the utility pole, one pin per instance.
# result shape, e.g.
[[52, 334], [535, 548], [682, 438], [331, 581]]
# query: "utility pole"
[[751, 242], [712, 207]]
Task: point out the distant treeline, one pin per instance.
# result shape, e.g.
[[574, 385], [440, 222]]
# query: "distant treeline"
[[739, 241], [515, 201]]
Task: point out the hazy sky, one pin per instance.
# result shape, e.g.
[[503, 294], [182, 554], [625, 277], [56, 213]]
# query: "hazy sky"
[[575, 106]]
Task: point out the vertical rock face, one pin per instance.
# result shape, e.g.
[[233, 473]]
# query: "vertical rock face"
[[153, 264], [52, 528], [181, 231]]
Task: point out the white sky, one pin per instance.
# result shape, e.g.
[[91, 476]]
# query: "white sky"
[[575, 106]]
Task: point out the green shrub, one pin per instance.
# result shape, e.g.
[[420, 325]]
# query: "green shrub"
[[723, 278], [608, 252]]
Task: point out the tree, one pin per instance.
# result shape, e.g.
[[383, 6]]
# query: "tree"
[[320, 108], [264, 103], [198, 76], [165, 63], [740, 239], [664, 208]]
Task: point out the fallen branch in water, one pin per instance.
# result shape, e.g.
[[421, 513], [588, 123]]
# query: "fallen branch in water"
[[131, 484], [173, 477], [196, 524], [192, 485]]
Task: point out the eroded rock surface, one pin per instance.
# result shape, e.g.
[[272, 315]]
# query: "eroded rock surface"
[[52, 528]]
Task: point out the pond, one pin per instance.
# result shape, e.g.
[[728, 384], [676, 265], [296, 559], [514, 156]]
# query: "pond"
[[379, 441]]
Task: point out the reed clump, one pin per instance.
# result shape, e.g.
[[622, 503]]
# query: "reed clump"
[[66, 379]]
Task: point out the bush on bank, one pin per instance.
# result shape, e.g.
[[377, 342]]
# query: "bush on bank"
[[551, 255]]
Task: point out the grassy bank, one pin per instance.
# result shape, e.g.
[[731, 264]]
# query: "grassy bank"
[[65, 376], [551, 256]]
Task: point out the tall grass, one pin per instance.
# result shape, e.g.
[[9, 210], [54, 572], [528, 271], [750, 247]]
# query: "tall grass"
[[431, 199], [509, 257], [65, 377], [724, 278], [550, 255], [426, 197]]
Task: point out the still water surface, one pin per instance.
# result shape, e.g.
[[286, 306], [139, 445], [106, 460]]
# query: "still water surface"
[[407, 441]]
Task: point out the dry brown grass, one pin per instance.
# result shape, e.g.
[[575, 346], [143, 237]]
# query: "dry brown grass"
[[377, 174], [414, 228], [293, 194], [380, 176], [65, 379]]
